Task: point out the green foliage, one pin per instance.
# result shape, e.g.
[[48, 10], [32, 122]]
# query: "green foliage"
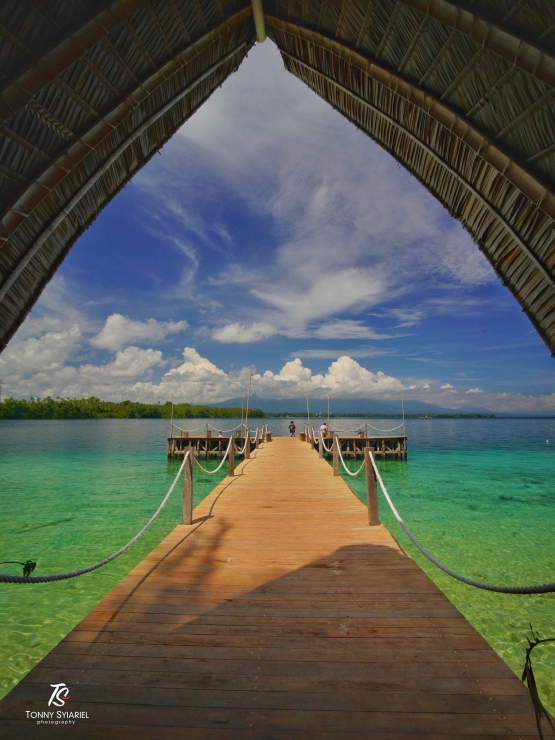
[[94, 408]]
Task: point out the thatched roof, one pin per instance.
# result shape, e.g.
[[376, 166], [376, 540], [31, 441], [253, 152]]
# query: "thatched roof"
[[462, 94]]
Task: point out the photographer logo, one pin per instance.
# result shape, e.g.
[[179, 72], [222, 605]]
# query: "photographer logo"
[[60, 694], [58, 698]]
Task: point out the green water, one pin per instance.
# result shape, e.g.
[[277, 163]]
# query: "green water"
[[73, 492], [480, 496]]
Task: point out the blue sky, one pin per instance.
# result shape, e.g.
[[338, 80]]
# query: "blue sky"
[[271, 234]]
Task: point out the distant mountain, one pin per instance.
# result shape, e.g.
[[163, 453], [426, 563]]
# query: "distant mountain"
[[345, 406]]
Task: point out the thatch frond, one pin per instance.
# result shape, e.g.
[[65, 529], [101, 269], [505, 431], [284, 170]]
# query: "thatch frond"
[[462, 96]]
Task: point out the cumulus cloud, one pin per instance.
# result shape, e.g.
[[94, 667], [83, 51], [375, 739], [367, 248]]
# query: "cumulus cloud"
[[121, 331], [40, 355], [195, 364], [243, 333], [51, 364]]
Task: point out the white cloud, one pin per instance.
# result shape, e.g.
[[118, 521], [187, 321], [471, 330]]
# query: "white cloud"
[[334, 354], [45, 354], [120, 331], [350, 229], [405, 317], [195, 364], [243, 333], [50, 365], [347, 329]]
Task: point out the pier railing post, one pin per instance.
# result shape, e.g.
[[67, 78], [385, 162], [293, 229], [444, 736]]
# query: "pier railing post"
[[371, 489], [257, 440], [231, 459], [320, 446], [312, 440], [187, 511], [247, 453], [336, 456]]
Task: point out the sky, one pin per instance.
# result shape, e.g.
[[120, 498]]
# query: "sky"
[[271, 235]]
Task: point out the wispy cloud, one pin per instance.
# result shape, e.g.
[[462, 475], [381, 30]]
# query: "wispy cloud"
[[349, 231]]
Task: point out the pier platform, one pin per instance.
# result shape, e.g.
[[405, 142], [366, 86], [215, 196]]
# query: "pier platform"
[[279, 614], [384, 446]]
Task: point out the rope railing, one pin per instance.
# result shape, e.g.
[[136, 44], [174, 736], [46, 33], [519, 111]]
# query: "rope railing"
[[225, 431], [241, 450], [385, 430], [4, 578], [358, 429], [189, 431], [544, 588], [213, 472], [353, 475], [327, 449]]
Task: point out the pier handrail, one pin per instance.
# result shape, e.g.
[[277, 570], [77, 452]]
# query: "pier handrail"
[[5, 578], [335, 429], [241, 451], [353, 475], [213, 472], [203, 426], [327, 449], [225, 430], [544, 588]]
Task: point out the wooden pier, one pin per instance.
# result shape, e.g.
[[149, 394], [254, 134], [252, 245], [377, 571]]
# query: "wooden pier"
[[279, 614], [382, 446], [209, 445]]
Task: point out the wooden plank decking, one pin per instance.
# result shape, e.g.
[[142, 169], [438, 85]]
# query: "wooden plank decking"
[[278, 614]]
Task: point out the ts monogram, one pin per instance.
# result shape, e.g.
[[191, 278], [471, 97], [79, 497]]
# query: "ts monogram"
[[60, 694]]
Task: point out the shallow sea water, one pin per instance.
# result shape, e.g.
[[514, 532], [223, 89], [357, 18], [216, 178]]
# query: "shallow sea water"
[[72, 493], [479, 494]]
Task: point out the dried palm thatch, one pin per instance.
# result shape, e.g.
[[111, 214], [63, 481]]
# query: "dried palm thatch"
[[463, 95]]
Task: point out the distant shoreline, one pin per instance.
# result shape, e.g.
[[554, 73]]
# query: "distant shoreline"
[[36, 409]]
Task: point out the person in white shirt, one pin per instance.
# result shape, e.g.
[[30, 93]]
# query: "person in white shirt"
[[324, 429]]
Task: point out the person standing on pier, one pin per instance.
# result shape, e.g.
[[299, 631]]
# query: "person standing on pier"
[[324, 430], [292, 429]]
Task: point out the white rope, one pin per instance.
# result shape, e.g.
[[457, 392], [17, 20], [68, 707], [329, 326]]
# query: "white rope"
[[541, 589], [324, 445], [189, 430], [353, 475], [225, 430], [358, 429], [385, 430], [72, 574], [213, 472], [242, 451]]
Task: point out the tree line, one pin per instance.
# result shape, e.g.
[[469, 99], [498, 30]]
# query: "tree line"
[[94, 408]]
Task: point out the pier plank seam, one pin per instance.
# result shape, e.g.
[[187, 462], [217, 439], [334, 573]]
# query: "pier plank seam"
[[278, 613]]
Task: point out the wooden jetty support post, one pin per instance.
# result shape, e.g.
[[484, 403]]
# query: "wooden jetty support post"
[[277, 613]]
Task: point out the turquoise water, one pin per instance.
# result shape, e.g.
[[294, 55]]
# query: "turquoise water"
[[480, 494], [72, 493]]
